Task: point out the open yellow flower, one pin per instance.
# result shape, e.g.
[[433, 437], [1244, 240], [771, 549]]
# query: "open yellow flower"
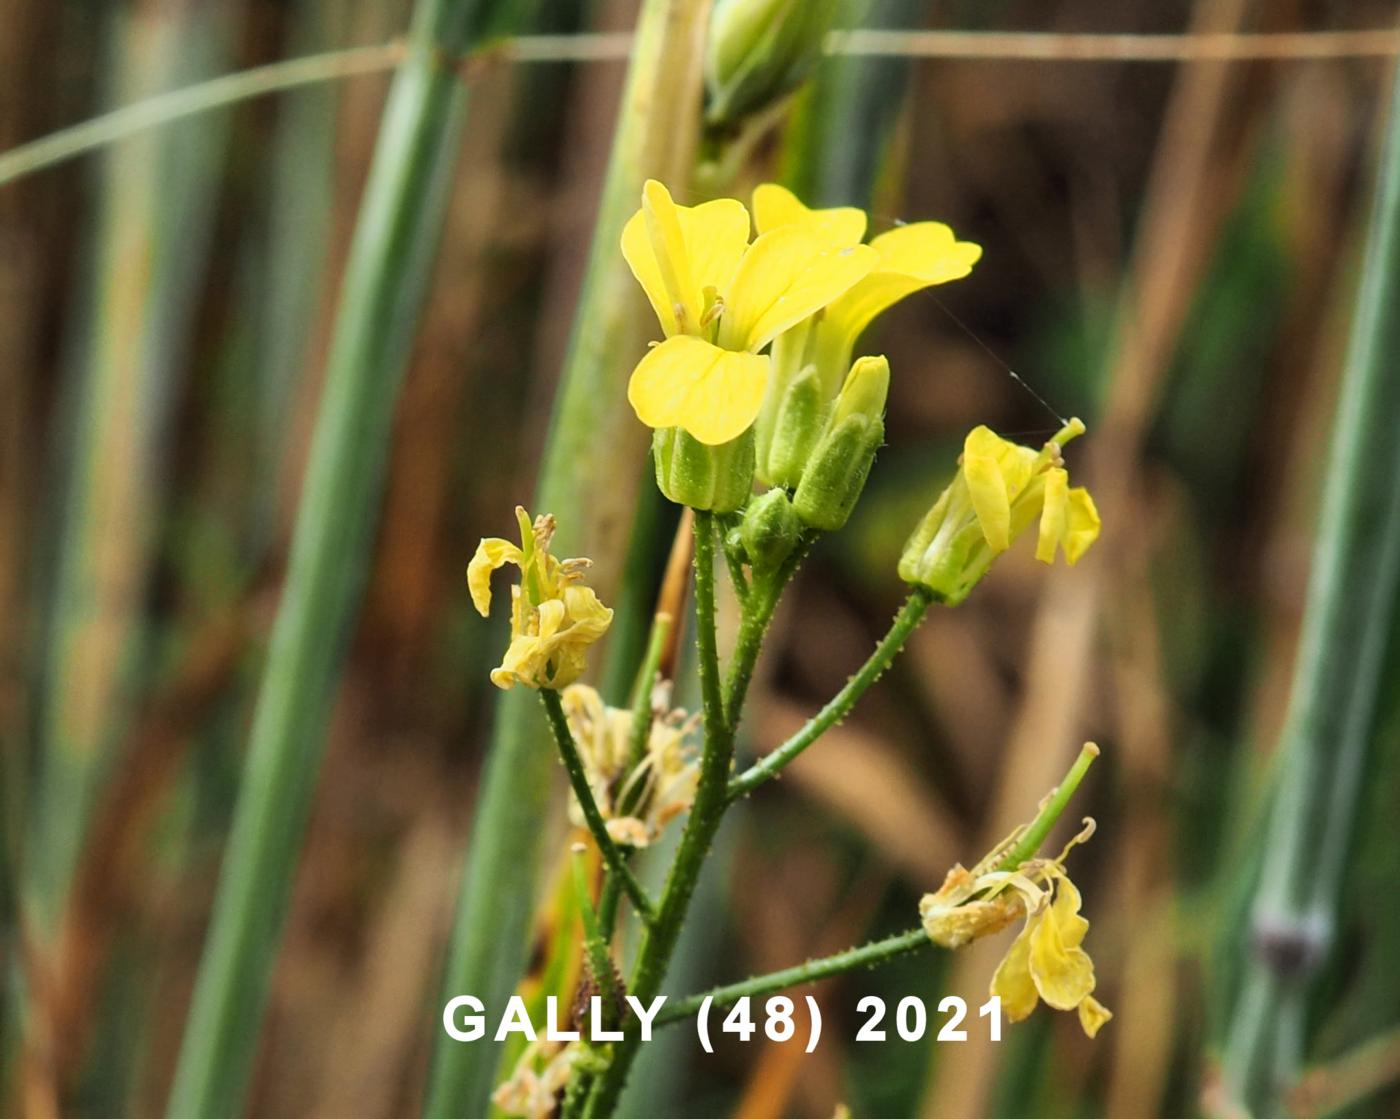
[[553, 618], [637, 805], [999, 489], [909, 258], [1046, 962], [720, 300]]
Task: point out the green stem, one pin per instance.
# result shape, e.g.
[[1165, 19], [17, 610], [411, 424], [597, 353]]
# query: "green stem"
[[721, 709], [595, 943], [1322, 758], [390, 258], [591, 470], [758, 606], [905, 622], [642, 694], [853, 959], [659, 941], [578, 779], [1034, 835]]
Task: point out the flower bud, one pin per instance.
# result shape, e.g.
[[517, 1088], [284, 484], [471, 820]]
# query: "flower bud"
[[759, 50], [717, 479], [836, 473], [770, 530], [786, 444]]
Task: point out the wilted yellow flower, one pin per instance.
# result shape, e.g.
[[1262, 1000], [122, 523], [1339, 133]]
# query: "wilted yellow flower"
[[720, 299], [532, 1091], [636, 805], [553, 616], [1046, 961], [999, 489]]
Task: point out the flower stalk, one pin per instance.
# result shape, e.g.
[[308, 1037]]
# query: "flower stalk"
[[840, 705], [578, 780], [586, 466]]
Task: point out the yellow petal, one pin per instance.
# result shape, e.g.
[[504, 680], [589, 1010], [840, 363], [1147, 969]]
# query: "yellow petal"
[[668, 246], [1062, 971], [1083, 524], [1054, 514], [706, 242], [911, 258], [716, 235], [1092, 1015], [589, 618], [636, 249], [686, 382], [1012, 982], [984, 457], [491, 553], [786, 275], [775, 205]]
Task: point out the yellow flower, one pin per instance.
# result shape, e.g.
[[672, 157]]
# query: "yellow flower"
[[721, 299], [1000, 488], [909, 258], [553, 617], [1046, 962], [639, 804]]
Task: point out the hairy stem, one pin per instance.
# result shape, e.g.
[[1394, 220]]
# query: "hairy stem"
[[853, 959], [578, 780], [905, 622]]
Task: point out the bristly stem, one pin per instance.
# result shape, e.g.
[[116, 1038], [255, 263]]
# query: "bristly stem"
[[905, 622], [866, 956], [578, 780], [659, 940]]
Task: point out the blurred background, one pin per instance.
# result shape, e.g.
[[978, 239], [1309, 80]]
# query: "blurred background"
[[1171, 252]]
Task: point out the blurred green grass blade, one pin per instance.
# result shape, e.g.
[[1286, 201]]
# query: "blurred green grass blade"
[[589, 478], [1323, 756], [386, 275], [838, 138], [157, 206]]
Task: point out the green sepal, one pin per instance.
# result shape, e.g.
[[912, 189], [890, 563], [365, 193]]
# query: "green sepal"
[[715, 479], [836, 474]]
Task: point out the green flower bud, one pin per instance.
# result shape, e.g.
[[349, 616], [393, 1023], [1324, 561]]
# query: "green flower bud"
[[838, 468], [759, 50], [717, 479], [798, 420], [770, 530]]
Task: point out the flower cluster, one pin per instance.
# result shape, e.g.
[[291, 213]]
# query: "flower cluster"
[[554, 617], [636, 801], [1046, 962], [723, 410]]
